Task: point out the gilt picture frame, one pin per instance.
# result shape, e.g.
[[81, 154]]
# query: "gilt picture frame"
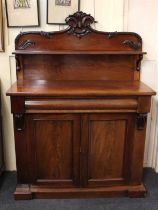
[[22, 13], [58, 10], [1, 29]]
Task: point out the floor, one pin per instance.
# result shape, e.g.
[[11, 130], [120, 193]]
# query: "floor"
[[8, 182]]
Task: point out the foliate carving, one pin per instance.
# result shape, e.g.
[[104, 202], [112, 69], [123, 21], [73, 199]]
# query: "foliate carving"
[[18, 66], [141, 121], [79, 24], [139, 62], [132, 45], [45, 34], [19, 121], [112, 34], [25, 44]]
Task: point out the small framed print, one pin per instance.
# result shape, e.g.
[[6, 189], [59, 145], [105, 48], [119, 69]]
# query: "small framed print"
[[22, 13], [1, 29], [59, 10]]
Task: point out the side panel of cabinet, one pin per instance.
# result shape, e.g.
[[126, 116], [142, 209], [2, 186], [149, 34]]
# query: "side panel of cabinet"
[[54, 147], [109, 147], [1, 147]]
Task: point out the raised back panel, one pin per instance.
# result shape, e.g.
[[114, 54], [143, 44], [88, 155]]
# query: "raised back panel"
[[109, 146], [78, 53], [107, 139], [60, 164], [63, 40]]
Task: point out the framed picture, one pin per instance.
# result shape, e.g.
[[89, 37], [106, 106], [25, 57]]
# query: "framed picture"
[[22, 13], [1, 29], [58, 10]]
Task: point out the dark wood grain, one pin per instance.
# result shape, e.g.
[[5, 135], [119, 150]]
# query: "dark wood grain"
[[79, 67], [107, 142], [60, 164], [57, 135], [108, 150]]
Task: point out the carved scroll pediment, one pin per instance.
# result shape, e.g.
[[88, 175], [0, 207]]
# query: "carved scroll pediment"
[[79, 24], [25, 44], [132, 45]]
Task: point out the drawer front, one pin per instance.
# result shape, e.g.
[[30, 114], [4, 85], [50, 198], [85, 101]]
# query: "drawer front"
[[81, 105]]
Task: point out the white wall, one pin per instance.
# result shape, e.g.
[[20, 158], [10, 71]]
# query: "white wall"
[[112, 15], [142, 17]]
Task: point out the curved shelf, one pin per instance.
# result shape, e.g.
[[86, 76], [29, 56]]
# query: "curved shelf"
[[69, 52]]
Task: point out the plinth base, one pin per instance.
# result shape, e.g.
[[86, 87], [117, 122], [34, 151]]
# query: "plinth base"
[[26, 192]]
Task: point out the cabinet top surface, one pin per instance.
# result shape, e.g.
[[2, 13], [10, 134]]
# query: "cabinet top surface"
[[79, 88]]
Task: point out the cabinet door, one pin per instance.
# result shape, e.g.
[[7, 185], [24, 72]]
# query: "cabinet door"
[[54, 147], [108, 149]]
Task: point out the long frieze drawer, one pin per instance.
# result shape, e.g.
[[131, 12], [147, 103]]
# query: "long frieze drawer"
[[81, 104]]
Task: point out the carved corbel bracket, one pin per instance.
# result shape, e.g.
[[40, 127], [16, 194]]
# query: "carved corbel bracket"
[[138, 65], [18, 66], [19, 120], [141, 121]]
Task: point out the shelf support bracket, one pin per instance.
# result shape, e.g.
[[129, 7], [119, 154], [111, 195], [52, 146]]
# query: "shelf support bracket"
[[138, 65], [18, 66]]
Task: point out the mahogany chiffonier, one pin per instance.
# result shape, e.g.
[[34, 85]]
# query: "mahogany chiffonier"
[[79, 112]]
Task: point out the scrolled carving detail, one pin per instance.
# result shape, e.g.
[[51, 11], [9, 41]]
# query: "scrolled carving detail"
[[25, 44], [45, 34], [79, 24], [141, 121], [132, 44], [19, 121], [139, 62], [112, 34]]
